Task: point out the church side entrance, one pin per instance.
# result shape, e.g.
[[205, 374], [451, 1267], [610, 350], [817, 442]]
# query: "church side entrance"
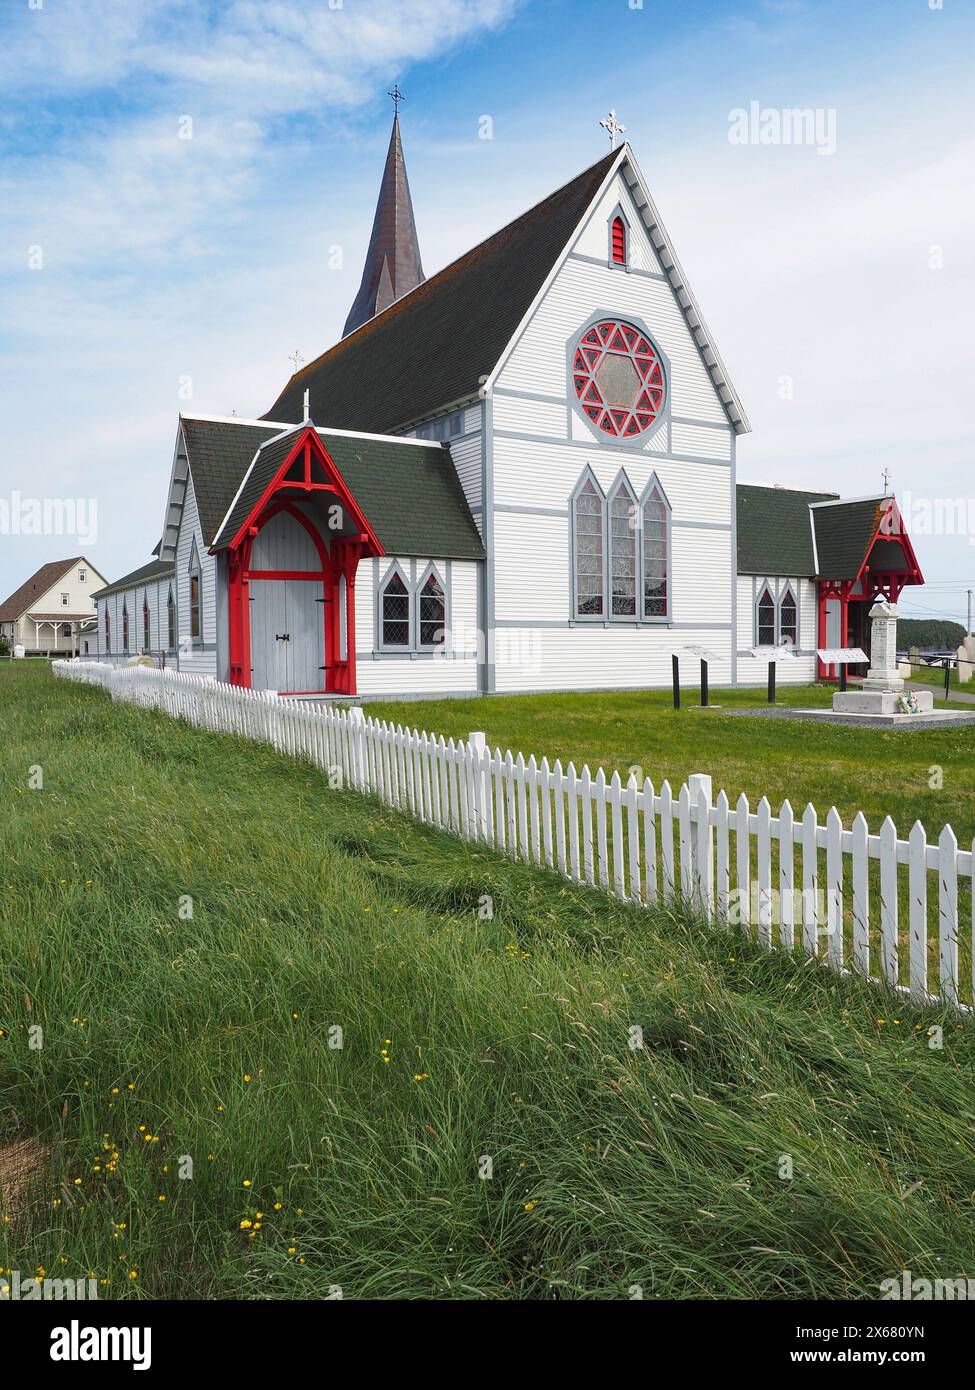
[[290, 590]]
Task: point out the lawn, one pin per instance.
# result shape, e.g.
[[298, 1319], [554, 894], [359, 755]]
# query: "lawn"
[[927, 776], [539, 1092]]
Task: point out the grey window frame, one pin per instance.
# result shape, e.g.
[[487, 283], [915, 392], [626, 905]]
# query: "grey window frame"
[[764, 587], [660, 620], [195, 571], [419, 645], [787, 589], [574, 405], [381, 644], [587, 476], [621, 483], [624, 265], [607, 618]]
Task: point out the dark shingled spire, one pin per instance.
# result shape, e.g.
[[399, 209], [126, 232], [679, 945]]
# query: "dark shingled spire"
[[393, 260]]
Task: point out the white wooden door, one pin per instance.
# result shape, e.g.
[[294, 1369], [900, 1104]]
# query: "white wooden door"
[[269, 626], [306, 634]]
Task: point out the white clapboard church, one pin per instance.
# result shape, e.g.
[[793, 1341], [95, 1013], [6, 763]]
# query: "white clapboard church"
[[518, 474]]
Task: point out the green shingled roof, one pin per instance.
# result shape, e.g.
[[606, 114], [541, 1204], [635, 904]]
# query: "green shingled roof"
[[775, 530], [155, 569], [409, 492], [844, 533]]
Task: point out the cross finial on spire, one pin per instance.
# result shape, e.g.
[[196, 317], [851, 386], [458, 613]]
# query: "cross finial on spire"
[[296, 358], [397, 97], [886, 482], [613, 128]]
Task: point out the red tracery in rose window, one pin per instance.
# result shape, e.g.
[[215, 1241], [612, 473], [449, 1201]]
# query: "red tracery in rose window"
[[618, 378]]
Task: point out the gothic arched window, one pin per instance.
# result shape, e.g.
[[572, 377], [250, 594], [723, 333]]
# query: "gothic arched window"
[[656, 552], [394, 610], [766, 619], [587, 528], [788, 619], [433, 612], [617, 236], [623, 519]]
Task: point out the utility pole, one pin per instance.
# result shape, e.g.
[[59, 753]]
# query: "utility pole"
[[969, 628]]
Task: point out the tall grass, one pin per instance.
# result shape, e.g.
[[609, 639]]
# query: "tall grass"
[[485, 1011]]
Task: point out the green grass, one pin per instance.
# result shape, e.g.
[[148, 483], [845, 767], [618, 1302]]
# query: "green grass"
[[934, 675], [881, 773], [613, 1166]]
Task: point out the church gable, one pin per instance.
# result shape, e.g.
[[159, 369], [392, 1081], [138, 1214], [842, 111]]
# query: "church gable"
[[620, 273]]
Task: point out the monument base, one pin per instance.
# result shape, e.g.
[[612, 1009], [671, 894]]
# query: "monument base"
[[879, 702]]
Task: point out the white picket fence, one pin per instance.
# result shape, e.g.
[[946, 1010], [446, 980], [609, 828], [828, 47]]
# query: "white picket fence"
[[873, 903]]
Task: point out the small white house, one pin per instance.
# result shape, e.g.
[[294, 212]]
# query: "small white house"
[[46, 614]]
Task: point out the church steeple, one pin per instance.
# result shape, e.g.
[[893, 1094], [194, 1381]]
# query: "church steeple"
[[392, 265]]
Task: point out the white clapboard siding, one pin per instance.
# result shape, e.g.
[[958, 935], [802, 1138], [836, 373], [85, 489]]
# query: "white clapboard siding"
[[844, 885]]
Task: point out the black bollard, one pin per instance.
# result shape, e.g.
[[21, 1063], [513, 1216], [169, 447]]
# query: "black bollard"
[[704, 683], [842, 675], [676, 662], [771, 682], [947, 678]]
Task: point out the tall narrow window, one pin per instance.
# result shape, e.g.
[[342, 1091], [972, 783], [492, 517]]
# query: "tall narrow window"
[[433, 612], [766, 619], [395, 612], [171, 622], [108, 629], [587, 511], [125, 625], [788, 620], [145, 622], [195, 628], [656, 554], [618, 241], [623, 514]]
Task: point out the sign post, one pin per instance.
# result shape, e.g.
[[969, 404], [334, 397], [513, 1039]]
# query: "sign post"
[[772, 655], [705, 656]]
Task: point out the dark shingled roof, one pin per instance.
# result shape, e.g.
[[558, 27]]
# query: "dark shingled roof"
[[433, 346], [775, 530], [35, 588], [267, 463], [155, 569], [409, 492], [844, 533]]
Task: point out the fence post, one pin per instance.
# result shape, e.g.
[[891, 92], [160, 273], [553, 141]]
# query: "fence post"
[[702, 842], [478, 743], [357, 717]]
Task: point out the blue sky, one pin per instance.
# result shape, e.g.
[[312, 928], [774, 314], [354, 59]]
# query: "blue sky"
[[180, 273]]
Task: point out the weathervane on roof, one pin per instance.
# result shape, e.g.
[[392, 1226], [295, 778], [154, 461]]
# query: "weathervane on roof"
[[886, 482], [397, 97], [613, 128], [296, 358]]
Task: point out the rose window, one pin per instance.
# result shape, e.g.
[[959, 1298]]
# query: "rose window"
[[618, 378]]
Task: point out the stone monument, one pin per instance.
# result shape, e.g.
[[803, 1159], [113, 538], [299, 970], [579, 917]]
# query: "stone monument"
[[882, 691]]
